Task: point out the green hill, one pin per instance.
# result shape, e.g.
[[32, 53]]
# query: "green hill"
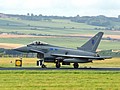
[[54, 27]]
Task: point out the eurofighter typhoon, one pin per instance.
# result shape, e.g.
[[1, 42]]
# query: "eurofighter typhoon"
[[65, 56]]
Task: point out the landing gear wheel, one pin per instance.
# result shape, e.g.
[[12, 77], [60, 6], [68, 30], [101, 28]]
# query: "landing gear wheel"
[[75, 65], [58, 65], [43, 66]]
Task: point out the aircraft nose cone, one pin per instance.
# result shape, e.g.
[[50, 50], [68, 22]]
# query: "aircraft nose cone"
[[21, 49], [18, 49]]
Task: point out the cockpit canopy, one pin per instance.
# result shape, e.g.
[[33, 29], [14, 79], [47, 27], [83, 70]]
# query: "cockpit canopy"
[[38, 43]]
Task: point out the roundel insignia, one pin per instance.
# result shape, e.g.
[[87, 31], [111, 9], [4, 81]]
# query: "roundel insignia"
[[51, 48]]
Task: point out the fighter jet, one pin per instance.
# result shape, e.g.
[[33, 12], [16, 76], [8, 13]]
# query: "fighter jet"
[[56, 54]]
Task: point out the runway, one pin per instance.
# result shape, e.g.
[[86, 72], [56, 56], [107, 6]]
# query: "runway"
[[41, 69]]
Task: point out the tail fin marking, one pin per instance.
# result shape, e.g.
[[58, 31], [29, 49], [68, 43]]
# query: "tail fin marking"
[[92, 44]]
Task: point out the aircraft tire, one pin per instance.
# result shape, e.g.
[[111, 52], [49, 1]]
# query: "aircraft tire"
[[43, 66], [58, 65], [75, 65]]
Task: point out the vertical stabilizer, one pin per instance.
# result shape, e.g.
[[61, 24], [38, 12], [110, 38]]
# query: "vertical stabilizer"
[[92, 44]]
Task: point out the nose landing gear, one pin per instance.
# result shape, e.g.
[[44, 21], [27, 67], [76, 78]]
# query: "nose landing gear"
[[41, 63], [58, 64]]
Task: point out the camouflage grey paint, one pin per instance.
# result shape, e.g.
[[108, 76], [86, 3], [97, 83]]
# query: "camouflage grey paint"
[[50, 53]]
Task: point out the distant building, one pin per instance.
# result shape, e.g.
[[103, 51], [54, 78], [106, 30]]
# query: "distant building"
[[115, 50], [3, 15]]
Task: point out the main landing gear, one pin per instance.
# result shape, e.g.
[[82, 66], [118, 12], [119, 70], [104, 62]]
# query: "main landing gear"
[[58, 64], [76, 65], [41, 63], [43, 66]]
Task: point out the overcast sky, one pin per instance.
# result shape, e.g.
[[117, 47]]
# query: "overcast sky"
[[62, 7]]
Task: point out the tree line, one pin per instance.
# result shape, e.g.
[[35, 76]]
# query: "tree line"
[[101, 20]]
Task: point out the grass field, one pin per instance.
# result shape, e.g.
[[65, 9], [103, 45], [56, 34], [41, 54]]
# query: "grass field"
[[54, 27], [31, 62], [55, 23], [59, 80]]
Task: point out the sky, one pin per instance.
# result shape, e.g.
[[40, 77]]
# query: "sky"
[[109, 8]]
